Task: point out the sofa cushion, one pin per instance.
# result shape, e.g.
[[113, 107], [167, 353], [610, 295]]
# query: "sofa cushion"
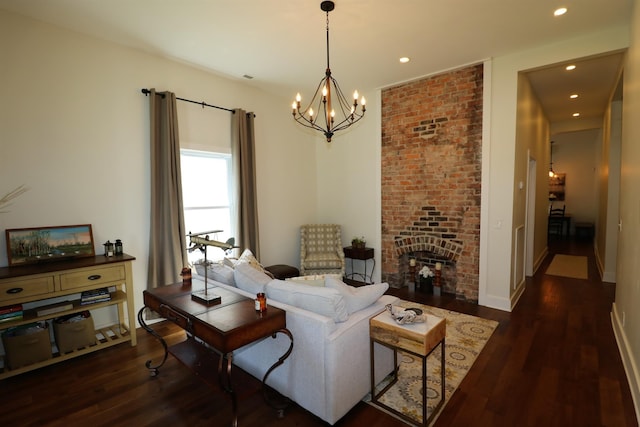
[[217, 271], [320, 300], [250, 279], [313, 279], [357, 298]]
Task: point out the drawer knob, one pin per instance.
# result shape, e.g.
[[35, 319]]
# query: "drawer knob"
[[94, 277], [14, 290]]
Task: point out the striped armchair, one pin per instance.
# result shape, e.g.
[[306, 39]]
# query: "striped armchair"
[[321, 249]]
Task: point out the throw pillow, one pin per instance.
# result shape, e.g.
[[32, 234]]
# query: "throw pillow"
[[324, 301], [247, 257], [231, 262], [250, 279], [217, 271], [357, 298]]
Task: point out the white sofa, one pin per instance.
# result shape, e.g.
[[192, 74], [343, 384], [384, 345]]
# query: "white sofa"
[[328, 371]]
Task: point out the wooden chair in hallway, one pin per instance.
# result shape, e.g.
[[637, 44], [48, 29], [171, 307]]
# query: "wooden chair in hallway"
[[556, 221]]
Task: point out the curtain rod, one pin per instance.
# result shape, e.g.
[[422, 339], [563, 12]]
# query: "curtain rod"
[[204, 104]]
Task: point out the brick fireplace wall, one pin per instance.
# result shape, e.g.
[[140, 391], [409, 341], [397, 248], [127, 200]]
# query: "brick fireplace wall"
[[431, 170]]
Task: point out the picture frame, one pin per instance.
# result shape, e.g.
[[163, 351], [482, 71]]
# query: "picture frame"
[[55, 243], [556, 187]]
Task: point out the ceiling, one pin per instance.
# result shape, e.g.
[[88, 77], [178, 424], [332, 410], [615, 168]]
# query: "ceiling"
[[281, 43]]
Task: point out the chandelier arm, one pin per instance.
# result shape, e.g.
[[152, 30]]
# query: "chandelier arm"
[[342, 100], [306, 123], [347, 122], [315, 95]]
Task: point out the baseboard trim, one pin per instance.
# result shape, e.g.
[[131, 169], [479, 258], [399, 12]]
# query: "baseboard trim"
[[626, 353], [538, 262], [498, 303], [517, 294]]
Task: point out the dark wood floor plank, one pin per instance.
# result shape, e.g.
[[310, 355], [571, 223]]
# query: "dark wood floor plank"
[[553, 361]]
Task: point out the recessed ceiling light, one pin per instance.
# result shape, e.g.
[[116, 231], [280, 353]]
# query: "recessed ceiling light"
[[570, 67], [405, 59], [560, 11], [573, 96], [576, 114]]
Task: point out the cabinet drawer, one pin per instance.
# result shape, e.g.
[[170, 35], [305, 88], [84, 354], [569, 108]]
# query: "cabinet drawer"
[[173, 316], [91, 277], [21, 289]]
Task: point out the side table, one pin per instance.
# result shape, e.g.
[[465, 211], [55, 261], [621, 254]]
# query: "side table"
[[364, 254], [418, 339]]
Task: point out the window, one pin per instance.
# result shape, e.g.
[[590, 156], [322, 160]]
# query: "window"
[[206, 196]]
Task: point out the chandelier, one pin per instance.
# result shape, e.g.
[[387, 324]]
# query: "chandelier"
[[332, 106]]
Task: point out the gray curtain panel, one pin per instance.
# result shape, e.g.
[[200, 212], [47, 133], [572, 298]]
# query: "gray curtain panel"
[[245, 203], [167, 240]]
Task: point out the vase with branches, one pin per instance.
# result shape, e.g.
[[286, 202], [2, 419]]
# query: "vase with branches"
[[7, 199]]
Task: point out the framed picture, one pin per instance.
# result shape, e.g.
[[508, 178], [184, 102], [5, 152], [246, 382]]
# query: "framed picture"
[[32, 245], [556, 187]]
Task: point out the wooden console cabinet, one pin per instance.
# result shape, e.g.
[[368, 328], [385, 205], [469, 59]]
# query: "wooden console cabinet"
[[44, 281]]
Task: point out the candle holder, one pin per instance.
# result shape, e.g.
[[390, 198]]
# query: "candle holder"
[[108, 248], [412, 276]]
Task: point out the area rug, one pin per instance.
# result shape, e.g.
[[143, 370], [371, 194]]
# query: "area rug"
[[568, 266], [465, 339]]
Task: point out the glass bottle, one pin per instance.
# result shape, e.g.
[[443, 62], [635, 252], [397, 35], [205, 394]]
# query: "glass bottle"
[[119, 247], [261, 302]]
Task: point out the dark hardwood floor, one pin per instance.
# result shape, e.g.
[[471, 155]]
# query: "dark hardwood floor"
[[553, 361]]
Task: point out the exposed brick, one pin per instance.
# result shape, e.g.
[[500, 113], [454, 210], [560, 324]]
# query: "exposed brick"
[[431, 170]]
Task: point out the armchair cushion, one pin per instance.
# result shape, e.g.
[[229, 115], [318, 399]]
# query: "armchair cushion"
[[320, 260]]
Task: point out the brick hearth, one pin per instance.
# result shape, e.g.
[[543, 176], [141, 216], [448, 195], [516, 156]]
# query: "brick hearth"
[[431, 169]]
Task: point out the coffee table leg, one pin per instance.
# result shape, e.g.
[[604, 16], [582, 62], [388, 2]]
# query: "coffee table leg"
[[153, 369], [284, 402], [224, 377]]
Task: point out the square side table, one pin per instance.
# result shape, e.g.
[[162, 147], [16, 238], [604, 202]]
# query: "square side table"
[[419, 339]]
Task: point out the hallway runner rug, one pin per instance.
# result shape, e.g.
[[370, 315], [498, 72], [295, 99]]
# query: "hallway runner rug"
[[466, 336], [568, 266]]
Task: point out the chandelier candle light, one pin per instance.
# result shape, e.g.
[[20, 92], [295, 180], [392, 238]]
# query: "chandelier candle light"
[[328, 97]]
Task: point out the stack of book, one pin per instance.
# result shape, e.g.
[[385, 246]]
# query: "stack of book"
[[95, 295], [11, 312]]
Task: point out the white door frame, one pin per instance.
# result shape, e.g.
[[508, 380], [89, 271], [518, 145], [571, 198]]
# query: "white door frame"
[[530, 214]]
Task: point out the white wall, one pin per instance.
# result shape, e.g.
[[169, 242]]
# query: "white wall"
[[532, 142], [626, 316], [349, 180], [74, 129], [575, 154]]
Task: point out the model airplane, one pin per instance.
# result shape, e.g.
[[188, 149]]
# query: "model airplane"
[[201, 241]]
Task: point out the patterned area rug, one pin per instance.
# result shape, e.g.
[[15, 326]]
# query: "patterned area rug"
[[466, 337]]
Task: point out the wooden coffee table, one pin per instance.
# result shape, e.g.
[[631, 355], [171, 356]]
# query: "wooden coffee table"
[[419, 339], [223, 327]]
